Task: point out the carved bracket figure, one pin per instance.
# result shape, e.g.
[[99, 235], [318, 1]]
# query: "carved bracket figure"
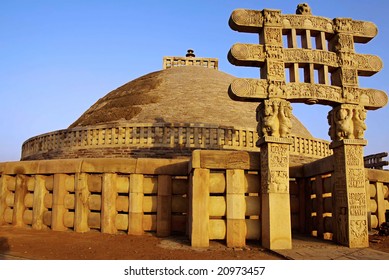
[[347, 122], [274, 117]]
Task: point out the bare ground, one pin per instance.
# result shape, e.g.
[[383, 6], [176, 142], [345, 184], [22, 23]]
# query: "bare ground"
[[25, 243], [51, 245]]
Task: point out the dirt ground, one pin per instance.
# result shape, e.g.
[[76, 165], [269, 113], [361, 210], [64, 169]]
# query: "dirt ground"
[[49, 245]]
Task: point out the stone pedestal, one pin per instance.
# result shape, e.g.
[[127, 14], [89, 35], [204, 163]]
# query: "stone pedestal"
[[275, 212], [350, 204]]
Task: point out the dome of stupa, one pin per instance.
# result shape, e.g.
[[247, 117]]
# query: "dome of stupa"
[[166, 114], [188, 94]]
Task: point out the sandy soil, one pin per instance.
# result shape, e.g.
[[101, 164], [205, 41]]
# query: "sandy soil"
[[50, 245]]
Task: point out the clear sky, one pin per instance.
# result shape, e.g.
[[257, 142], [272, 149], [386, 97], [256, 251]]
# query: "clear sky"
[[59, 57]]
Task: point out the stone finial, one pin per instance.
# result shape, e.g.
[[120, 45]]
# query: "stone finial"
[[303, 9], [190, 53]]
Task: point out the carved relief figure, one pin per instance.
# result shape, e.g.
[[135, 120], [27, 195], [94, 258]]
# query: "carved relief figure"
[[344, 125], [359, 117], [285, 115], [270, 123], [330, 119], [276, 89], [342, 229], [358, 228], [278, 182]]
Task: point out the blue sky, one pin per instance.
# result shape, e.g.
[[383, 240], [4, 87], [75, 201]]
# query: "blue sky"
[[59, 57]]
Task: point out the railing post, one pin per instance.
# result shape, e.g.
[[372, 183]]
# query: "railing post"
[[236, 208], [81, 209], [164, 205], [108, 205], [38, 203], [135, 214], [58, 210], [199, 207]]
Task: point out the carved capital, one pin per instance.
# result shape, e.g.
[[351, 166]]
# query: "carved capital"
[[274, 116], [347, 123]]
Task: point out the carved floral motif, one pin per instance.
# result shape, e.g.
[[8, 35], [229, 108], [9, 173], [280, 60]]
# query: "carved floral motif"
[[275, 70]]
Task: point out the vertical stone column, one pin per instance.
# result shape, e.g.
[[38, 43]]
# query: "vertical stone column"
[[350, 203], [38, 204], [236, 208], [351, 226], [199, 207], [58, 210], [81, 205], [135, 215], [275, 200], [3, 196], [19, 206], [164, 205], [347, 127], [108, 205], [343, 45], [274, 128]]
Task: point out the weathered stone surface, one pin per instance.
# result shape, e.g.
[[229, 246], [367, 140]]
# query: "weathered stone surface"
[[334, 57]]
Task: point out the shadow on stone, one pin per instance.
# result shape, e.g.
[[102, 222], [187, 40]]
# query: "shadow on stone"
[[4, 247]]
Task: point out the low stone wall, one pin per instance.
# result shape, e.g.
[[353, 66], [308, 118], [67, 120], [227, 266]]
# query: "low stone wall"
[[109, 195], [214, 196], [315, 180], [154, 140]]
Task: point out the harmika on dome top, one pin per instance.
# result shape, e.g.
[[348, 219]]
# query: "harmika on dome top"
[[168, 114]]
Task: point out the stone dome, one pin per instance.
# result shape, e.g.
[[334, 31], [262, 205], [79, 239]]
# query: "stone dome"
[[166, 114], [188, 94]]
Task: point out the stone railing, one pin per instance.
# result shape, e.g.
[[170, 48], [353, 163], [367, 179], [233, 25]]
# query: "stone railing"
[[170, 62], [317, 179], [108, 195], [215, 195], [376, 161], [169, 136]]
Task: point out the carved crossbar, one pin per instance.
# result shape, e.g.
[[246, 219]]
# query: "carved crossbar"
[[287, 45]]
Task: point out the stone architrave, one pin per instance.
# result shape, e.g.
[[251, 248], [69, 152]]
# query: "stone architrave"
[[338, 68]]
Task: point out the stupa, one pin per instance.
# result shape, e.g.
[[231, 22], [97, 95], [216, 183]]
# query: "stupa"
[[164, 114], [174, 152]]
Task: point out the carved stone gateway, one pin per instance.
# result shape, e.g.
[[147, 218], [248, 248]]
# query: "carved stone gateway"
[[309, 59]]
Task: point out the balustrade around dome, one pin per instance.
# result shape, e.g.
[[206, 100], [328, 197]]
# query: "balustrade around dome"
[[118, 141]]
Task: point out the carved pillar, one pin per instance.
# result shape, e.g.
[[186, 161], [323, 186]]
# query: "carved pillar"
[[349, 193], [273, 116], [274, 121], [347, 127]]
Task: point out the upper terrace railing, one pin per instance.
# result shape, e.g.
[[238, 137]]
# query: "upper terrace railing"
[[169, 62], [191, 136]]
